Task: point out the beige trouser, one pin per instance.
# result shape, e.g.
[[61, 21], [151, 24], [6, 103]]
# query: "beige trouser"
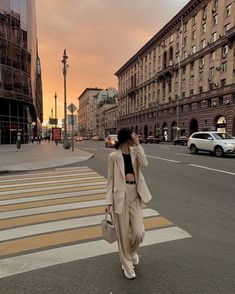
[[130, 226]]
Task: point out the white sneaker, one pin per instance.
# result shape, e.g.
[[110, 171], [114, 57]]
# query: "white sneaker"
[[129, 276], [135, 259]]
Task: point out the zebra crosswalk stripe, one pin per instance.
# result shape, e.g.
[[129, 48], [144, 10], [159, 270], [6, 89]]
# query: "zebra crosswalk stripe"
[[44, 217]]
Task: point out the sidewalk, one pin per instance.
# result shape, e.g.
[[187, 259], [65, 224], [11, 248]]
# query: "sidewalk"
[[38, 156]]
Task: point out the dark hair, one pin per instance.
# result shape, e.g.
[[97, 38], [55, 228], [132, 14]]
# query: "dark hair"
[[123, 136]]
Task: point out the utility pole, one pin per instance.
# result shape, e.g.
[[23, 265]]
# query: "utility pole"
[[65, 67], [55, 108]]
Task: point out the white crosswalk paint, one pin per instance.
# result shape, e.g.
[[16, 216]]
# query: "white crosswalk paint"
[[54, 187], [88, 173], [59, 225], [52, 196], [48, 182], [51, 208], [24, 263], [41, 259]]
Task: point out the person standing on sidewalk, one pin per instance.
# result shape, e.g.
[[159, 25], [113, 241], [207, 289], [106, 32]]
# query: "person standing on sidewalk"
[[18, 141], [126, 191]]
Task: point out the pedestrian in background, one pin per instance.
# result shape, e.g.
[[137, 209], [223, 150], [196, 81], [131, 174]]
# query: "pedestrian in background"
[[126, 191], [18, 141]]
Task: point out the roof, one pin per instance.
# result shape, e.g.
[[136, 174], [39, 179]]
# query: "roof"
[[89, 89]]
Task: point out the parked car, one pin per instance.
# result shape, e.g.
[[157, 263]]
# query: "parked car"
[[182, 140], [217, 143], [79, 139], [95, 138], [152, 139], [110, 141]]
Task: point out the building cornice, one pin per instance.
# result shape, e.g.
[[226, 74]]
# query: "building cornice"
[[184, 12], [89, 89]]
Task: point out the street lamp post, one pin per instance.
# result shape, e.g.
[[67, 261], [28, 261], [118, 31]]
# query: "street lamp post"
[[65, 67], [55, 109]]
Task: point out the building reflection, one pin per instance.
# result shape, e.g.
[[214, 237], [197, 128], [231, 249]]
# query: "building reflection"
[[20, 72]]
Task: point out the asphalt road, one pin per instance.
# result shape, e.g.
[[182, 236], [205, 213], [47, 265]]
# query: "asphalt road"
[[196, 193]]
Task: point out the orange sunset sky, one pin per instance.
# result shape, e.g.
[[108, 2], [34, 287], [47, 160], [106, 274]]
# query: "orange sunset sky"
[[99, 35]]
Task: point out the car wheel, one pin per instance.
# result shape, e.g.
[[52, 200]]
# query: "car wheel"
[[219, 151], [193, 149]]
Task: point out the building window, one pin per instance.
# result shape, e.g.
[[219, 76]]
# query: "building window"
[[201, 62], [221, 100], [215, 20], [198, 105], [200, 90], [194, 49], [194, 34], [214, 37], [192, 66], [185, 54], [211, 86], [185, 41], [183, 69], [212, 56], [224, 67], [211, 72], [183, 94], [226, 27], [194, 20], [201, 76], [223, 83], [190, 106], [203, 44], [191, 80], [209, 103], [228, 10], [191, 92], [185, 27], [224, 51], [216, 3], [204, 13], [203, 28]]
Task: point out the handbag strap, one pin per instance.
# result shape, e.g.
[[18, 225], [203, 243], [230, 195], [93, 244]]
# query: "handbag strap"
[[111, 216]]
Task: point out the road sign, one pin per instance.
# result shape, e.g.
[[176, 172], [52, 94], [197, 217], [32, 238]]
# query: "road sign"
[[72, 107]]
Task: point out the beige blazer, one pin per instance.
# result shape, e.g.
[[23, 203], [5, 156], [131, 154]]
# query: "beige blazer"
[[115, 193]]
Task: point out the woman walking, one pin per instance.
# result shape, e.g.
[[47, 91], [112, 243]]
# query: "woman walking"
[[126, 191]]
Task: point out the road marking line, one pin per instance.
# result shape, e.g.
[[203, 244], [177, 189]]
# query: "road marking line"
[[44, 203], [51, 196], [183, 154], [44, 173], [60, 225], [46, 188], [170, 160], [51, 182], [65, 237], [51, 216], [38, 179], [51, 191], [55, 208], [213, 169], [25, 263]]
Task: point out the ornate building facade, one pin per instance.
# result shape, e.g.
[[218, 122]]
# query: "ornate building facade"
[[21, 107], [183, 79]]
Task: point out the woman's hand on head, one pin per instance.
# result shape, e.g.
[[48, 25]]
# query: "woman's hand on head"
[[135, 139]]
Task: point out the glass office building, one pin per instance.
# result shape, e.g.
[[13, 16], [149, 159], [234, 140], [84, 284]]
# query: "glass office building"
[[20, 72]]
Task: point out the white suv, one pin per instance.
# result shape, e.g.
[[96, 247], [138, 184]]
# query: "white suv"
[[214, 142]]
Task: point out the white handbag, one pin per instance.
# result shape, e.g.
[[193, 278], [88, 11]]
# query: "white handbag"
[[109, 230]]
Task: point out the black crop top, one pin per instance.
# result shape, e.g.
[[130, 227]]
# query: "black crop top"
[[128, 164]]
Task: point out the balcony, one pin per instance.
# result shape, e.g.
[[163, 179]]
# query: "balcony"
[[132, 91]]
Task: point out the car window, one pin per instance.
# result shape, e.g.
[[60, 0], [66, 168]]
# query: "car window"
[[207, 136], [222, 136], [199, 136]]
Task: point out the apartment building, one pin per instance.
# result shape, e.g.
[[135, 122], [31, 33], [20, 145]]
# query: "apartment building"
[[183, 79], [110, 120], [86, 109]]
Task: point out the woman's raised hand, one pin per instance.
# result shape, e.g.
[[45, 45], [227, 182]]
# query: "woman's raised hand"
[[135, 139]]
